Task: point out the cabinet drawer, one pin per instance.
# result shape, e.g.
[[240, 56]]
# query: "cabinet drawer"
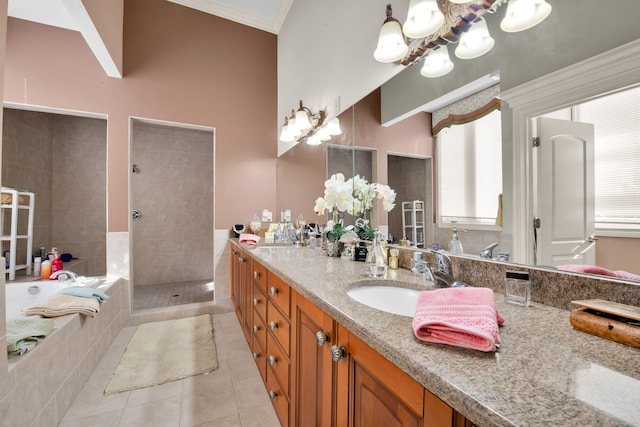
[[260, 356], [280, 293], [278, 399], [259, 303], [260, 331], [279, 326], [279, 363], [260, 276]]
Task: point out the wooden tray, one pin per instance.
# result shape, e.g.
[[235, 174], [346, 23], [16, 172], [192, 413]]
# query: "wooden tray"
[[610, 320]]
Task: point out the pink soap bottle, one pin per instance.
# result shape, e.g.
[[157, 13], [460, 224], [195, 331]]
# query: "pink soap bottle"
[[56, 265]]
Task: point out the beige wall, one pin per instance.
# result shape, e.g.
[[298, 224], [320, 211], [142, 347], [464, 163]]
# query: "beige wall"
[[180, 65]]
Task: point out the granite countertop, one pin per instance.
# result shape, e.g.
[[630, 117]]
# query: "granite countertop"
[[545, 373]]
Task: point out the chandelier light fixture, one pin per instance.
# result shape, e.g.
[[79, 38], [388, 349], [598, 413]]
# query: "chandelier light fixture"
[[433, 24], [308, 126]]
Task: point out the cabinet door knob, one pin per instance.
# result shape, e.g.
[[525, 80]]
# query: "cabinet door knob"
[[272, 360], [256, 328], [255, 355], [256, 301], [273, 325], [241, 259], [322, 338], [338, 353], [272, 394], [256, 274], [273, 291]]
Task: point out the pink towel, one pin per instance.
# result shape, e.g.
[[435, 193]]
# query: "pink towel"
[[249, 239], [593, 269], [463, 317]]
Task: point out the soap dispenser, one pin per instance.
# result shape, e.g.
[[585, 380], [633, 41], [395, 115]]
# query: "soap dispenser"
[[376, 261], [455, 247]]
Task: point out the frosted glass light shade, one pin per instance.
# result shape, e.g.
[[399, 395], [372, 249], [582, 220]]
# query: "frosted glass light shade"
[[391, 44], [524, 14], [302, 120], [313, 140], [285, 136], [424, 18], [437, 63], [333, 127], [475, 42], [293, 129]]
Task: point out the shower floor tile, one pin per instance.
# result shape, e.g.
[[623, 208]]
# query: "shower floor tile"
[[147, 297]]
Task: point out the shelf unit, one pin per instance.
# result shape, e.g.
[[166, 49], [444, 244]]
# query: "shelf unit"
[[13, 202], [413, 222]]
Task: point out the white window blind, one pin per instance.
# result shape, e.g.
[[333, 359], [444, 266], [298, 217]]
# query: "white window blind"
[[616, 120], [470, 171]]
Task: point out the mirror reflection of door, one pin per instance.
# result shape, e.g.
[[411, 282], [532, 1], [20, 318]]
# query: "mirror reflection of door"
[[565, 193]]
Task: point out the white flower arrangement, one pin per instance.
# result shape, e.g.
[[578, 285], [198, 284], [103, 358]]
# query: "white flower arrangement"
[[354, 196]]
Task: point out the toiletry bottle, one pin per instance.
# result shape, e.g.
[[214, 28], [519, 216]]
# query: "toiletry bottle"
[[393, 258], [36, 266], [56, 265], [376, 263], [455, 247], [43, 253], [416, 259], [45, 270]]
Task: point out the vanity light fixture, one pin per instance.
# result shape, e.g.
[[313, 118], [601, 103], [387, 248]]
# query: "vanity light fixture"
[[303, 124], [391, 44], [437, 63], [475, 42], [524, 14], [424, 18], [432, 25]]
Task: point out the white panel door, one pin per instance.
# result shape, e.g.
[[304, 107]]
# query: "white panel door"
[[565, 193]]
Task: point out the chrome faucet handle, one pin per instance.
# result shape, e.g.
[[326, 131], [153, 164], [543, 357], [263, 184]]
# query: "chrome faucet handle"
[[487, 252], [444, 262], [63, 275]]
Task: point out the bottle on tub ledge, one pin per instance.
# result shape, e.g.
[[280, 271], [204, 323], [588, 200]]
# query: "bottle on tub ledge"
[[45, 270], [56, 265]]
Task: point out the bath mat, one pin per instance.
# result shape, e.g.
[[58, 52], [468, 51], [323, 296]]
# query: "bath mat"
[[165, 351]]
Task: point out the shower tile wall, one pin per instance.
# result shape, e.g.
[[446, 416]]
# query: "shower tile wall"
[[173, 189], [62, 159]]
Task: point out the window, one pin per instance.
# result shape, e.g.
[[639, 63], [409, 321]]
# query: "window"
[[616, 120], [469, 163]]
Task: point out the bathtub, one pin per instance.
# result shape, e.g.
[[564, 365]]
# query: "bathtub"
[[39, 386], [18, 295], [22, 294]]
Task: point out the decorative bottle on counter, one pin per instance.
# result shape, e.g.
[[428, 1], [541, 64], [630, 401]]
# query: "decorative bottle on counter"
[[56, 265], [376, 263]]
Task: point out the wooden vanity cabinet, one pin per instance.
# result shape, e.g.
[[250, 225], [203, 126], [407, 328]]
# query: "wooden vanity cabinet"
[[240, 267], [316, 372]]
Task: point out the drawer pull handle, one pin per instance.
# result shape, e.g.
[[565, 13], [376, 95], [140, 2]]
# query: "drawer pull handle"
[[255, 355], [256, 328], [338, 353], [256, 301], [241, 259], [273, 325], [273, 291], [322, 338], [272, 360], [272, 395], [256, 274]]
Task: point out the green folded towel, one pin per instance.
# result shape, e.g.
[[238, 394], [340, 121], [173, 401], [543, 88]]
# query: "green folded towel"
[[79, 291], [24, 334]]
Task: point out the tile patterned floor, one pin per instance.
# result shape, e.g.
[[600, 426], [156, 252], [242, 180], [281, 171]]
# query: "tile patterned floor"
[[147, 297], [232, 396]]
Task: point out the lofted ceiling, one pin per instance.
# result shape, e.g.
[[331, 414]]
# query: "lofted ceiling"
[[266, 15]]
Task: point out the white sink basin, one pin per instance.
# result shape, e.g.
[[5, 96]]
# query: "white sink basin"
[[391, 299]]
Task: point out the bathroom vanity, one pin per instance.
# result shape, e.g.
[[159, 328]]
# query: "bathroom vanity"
[[329, 360]]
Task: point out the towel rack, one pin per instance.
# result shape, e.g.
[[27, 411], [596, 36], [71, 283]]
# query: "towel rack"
[[13, 201]]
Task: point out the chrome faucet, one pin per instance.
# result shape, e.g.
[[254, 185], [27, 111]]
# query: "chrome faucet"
[[63, 275], [443, 276], [488, 251]]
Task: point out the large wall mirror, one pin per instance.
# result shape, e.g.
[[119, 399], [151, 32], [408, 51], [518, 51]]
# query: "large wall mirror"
[[407, 129]]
